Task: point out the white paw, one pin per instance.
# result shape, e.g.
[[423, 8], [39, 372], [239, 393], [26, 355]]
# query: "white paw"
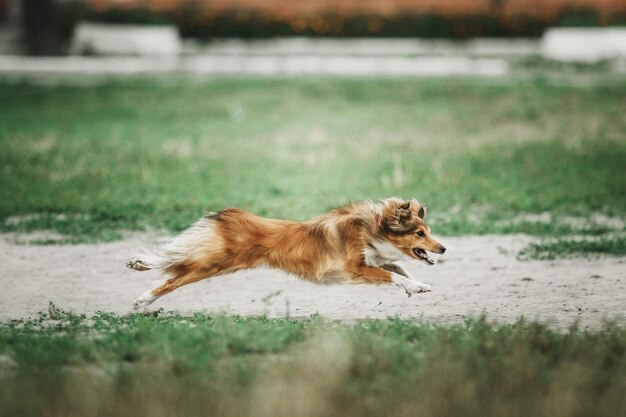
[[144, 301], [411, 287], [416, 288]]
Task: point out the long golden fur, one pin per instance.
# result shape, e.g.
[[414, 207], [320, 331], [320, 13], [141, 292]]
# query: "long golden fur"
[[355, 244]]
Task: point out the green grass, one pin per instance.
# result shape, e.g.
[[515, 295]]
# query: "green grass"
[[92, 161], [63, 364], [568, 247]]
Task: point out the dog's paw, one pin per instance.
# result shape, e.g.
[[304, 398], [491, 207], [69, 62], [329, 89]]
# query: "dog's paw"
[[143, 301], [137, 264], [411, 287], [416, 288], [139, 303]]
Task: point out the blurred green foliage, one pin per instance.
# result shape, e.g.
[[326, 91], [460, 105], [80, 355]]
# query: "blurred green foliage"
[[277, 19], [64, 364]]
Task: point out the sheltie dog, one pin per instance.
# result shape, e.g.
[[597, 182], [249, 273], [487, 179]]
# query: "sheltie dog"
[[355, 244]]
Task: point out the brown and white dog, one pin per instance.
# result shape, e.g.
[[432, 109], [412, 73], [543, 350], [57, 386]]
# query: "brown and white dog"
[[355, 244]]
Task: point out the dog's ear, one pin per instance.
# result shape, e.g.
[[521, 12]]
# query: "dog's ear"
[[403, 211], [398, 217], [421, 212]]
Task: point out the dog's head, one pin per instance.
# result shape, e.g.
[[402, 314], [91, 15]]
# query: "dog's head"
[[402, 224]]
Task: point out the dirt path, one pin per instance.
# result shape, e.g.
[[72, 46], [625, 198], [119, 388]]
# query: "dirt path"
[[477, 275]]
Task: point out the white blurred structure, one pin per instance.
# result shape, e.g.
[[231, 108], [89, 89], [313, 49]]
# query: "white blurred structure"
[[256, 65], [109, 39], [408, 47], [584, 44]]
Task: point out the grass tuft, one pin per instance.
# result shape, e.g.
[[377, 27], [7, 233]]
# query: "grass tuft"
[[569, 247]]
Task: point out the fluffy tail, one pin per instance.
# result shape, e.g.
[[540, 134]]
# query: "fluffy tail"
[[182, 247]]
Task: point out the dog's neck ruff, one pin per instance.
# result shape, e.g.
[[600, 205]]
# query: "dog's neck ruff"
[[379, 253]]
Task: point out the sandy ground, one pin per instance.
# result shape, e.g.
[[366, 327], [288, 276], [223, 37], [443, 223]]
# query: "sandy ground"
[[478, 275]]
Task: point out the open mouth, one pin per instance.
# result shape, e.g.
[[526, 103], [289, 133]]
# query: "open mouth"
[[423, 256]]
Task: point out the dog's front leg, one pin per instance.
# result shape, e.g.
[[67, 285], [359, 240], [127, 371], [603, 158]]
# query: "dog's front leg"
[[400, 270], [369, 274]]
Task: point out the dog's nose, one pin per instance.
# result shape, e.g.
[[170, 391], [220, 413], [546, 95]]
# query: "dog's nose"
[[442, 249]]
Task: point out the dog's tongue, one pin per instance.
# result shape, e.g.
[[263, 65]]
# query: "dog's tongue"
[[428, 260], [424, 257]]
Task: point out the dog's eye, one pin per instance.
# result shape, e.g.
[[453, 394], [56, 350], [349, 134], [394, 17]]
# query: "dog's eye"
[[420, 233]]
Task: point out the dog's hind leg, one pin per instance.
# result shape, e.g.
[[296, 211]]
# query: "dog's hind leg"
[[183, 278], [170, 285], [144, 300], [177, 282]]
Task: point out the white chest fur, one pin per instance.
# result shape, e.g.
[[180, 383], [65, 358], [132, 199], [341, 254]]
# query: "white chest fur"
[[381, 253]]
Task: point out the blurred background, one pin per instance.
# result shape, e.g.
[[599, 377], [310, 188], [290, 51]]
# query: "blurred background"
[[46, 26], [595, 30], [291, 107]]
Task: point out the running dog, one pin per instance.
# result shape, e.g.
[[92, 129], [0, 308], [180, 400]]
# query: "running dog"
[[355, 244]]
